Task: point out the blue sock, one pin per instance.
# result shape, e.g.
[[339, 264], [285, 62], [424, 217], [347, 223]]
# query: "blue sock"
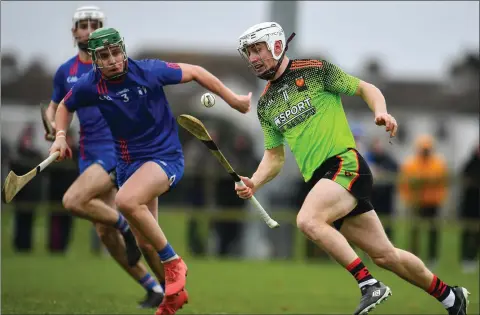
[[166, 253], [162, 284], [122, 224], [148, 282]]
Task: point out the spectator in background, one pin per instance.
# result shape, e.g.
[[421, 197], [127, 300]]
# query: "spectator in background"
[[423, 188], [62, 175], [198, 174], [26, 200], [209, 186], [470, 212], [241, 157], [227, 231], [384, 169], [5, 159], [359, 137]]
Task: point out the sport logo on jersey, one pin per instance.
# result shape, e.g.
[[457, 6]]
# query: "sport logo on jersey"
[[294, 115]]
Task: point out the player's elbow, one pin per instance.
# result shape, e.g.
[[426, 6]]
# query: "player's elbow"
[[201, 75], [279, 162]]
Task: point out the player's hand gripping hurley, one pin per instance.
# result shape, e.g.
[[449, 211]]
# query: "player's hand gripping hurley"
[[14, 183], [196, 128]]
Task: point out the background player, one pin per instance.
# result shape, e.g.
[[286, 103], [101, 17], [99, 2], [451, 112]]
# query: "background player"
[[92, 195], [301, 104], [129, 94]]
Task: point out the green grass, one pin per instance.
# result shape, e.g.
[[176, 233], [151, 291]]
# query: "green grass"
[[80, 283]]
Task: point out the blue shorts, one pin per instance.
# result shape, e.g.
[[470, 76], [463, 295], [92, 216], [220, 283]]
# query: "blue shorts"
[[108, 162], [173, 168]]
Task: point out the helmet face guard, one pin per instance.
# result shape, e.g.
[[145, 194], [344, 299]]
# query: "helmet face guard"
[[88, 14], [260, 63], [107, 50], [84, 45], [268, 33]]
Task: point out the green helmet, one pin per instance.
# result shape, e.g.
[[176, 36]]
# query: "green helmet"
[[103, 38]]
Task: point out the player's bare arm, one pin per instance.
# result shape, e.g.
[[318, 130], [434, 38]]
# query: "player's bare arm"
[[48, 119], [376, 101], [270, 166], [50, 112], [63, 119], [213, 84]]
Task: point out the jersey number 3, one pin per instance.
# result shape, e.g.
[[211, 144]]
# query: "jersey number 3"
[[125, 97]]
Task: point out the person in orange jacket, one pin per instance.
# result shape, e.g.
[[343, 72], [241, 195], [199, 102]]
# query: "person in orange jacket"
[[423, 188]]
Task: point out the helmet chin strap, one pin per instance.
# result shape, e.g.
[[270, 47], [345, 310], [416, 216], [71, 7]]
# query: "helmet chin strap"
[[270, 74], [82, 46]]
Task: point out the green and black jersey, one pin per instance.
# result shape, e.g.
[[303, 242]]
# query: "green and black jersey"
[[303, 107]]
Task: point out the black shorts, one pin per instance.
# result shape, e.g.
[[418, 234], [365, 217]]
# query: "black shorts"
[[350, 170]]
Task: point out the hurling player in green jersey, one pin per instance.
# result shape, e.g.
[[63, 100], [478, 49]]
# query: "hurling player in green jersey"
[[301, 106]]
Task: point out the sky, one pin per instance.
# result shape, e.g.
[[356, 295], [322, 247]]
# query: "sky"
[[411, 39]]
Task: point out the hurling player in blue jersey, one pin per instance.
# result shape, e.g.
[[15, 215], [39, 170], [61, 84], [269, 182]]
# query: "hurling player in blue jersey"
[[92, 195], [129, 93]]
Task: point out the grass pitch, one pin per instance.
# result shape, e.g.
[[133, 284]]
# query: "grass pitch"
[[81, 283]]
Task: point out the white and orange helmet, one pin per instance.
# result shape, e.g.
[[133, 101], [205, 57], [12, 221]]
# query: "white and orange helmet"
[[269, 33]]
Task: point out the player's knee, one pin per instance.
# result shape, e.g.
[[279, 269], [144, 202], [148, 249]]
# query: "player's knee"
[[125, 204], [308, 224], [72, 201], [388, 259], [303, 224]]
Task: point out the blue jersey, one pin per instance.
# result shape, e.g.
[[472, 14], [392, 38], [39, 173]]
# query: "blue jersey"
[[95, 137], [135, 108]]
